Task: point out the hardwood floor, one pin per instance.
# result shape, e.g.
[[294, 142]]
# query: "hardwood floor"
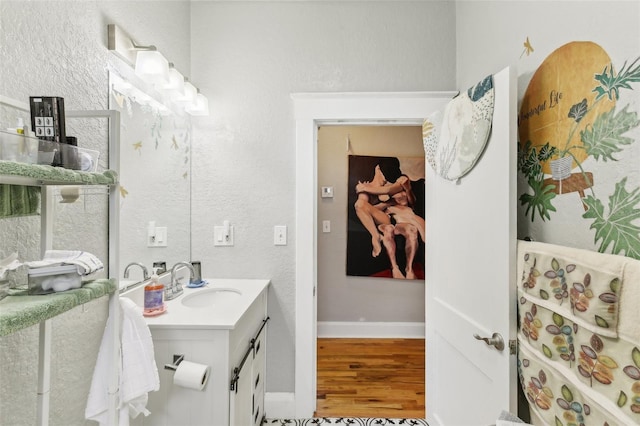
[[370, 378]]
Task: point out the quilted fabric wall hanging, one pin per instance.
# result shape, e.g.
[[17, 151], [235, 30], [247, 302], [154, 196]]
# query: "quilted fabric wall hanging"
[[463, 133]]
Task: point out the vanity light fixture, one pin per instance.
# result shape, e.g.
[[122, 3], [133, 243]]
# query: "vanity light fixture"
[[153, 68], [148, 63], [175, 86], [190, 93], [123, 45], [200, 106]]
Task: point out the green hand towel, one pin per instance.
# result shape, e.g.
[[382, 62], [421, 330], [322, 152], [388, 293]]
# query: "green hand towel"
[[18, 200]]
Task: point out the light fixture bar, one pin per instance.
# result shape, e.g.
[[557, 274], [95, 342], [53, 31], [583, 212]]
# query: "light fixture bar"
[[157, 72], [123, 45]]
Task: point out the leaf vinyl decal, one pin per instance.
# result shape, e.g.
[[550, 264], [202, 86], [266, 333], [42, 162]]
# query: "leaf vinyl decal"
[[604, 138], [617, 228], [611, 83], [578, 111]]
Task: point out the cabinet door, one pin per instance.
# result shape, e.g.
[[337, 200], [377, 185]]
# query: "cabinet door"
[[241, 398]]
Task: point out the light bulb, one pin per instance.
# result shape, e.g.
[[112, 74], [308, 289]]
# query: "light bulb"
[[152, 67], [200, 106]]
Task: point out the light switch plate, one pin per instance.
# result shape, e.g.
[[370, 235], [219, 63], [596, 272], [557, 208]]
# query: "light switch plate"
[[161, 236], [327, 192], [156, 235], [219, 237], [280, 235]]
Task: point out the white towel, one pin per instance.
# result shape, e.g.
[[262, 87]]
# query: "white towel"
[[137, 368], [10, 263], [98, 399], [86, 262], [139, 372]]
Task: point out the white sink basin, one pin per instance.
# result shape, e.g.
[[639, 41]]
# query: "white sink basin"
[[219, 305], [211, 297]]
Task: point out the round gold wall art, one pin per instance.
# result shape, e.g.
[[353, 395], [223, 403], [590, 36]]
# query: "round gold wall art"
[[560, 93]]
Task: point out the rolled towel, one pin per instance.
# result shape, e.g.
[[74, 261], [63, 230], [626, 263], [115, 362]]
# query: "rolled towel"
[[9, 263], [87, 263]]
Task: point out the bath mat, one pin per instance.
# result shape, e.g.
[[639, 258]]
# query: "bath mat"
[[351, 421]]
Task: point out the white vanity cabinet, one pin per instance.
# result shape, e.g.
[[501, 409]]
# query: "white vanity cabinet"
[[223, 347]]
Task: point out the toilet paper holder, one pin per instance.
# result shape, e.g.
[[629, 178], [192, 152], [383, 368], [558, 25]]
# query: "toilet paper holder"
[[177, 359]]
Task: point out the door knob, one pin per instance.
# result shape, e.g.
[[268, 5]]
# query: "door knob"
[[495, 340]]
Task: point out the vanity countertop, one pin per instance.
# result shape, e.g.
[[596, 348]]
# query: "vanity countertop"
[[20, 310], [223, 316]]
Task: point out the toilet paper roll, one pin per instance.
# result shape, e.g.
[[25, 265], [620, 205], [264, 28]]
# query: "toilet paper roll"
[[191, 375]]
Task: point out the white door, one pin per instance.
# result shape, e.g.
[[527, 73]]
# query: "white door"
[[470, 279]]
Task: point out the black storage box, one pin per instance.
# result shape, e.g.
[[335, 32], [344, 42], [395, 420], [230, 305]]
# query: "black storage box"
[[47, 118]]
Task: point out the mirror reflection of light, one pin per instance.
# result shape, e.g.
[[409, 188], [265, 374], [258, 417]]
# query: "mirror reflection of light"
[[200, 106], [175, 88], [190, 93], [154, 101]]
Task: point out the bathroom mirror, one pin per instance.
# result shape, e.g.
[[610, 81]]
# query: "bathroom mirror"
[[155, 179]]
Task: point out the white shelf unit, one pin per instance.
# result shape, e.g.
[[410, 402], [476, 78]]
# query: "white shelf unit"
[[46, 242]]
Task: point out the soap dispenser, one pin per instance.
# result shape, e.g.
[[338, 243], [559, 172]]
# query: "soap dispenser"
[[154, 296]]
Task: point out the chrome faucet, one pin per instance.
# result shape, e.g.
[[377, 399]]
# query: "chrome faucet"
[[145, 272], [175, 287]]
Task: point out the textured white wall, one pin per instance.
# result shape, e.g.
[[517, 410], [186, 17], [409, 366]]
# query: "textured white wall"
[[250, 57], [19, 377]]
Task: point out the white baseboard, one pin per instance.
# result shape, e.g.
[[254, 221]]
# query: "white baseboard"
[[404, 330], [280, 405]]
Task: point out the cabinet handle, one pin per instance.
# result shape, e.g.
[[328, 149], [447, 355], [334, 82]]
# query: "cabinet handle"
[[236, 371]]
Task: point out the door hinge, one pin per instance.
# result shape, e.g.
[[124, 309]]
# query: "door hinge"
[[513, 347]]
